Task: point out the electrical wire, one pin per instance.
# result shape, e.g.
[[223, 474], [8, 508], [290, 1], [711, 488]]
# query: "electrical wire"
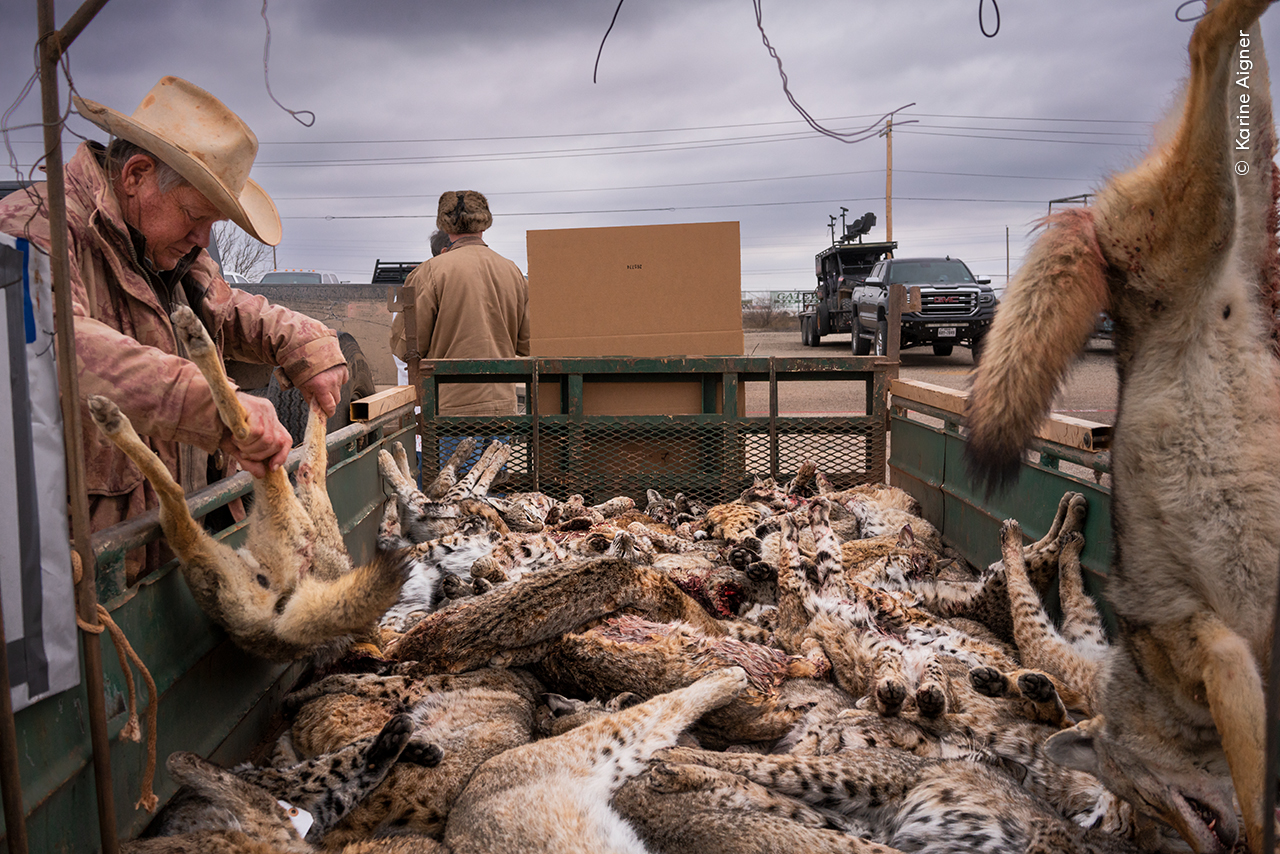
[[602, 41], [870, 131], [266, 76]]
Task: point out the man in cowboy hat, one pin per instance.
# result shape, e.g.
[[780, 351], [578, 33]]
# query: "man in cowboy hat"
[[471, 303], [139, 215]]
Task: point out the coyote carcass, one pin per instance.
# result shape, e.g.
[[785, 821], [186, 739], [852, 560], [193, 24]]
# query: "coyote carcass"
[[291, 592], [1181, 251]]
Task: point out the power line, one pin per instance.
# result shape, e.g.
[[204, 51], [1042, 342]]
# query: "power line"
[[670, 208]]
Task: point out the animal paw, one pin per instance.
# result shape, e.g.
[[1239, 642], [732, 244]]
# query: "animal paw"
[[931, 702], [1010, 534], [105, 414], [666, 778], [890, 695], [1037, 687], [761, 572], [391, 742], [190, 329], [988, 681], [422, 753], [734, 678]]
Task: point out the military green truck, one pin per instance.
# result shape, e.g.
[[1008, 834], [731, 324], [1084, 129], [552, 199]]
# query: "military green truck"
[[829, 309]]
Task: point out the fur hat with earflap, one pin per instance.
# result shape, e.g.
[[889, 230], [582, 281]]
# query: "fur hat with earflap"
[[463, 212]]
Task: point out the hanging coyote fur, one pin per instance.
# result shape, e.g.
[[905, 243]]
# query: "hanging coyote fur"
[[291, 591], [1181, 251]]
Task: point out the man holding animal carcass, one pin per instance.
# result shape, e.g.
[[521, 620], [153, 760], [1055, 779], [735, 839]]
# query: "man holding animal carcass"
[[139, 215]]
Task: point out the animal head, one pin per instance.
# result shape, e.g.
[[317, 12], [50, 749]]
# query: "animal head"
[[214, 799], [1161, 781]]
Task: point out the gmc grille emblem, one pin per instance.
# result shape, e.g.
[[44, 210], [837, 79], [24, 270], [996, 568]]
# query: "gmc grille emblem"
[[946, 299]]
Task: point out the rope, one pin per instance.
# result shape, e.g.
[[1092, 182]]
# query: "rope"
[[147, 799]]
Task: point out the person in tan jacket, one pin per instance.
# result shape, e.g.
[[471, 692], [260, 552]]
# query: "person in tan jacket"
[[139, 215], [471, 303]]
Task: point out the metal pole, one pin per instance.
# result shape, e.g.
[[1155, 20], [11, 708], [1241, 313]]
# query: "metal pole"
[[52, 44], [888, 180], [15, 820]]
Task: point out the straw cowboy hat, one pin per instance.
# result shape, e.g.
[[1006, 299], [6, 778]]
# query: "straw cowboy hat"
[[206, 143]]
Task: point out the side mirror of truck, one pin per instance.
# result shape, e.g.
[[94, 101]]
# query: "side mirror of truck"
[[984, 281], [873, 280]]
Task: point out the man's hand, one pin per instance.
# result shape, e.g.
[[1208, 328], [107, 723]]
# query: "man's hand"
[[268, 443], [325, 389]]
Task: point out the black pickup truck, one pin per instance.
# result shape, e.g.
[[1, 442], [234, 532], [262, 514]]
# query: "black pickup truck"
[[956, 307]]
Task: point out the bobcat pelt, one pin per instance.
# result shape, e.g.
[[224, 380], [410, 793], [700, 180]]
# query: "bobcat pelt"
[[471, 717], [213, 800], [643, 658], [554, 794], [291, 591], [515, 621], [948, 806]]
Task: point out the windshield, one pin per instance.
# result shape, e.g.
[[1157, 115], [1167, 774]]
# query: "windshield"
[[928, 273], [291, 279]]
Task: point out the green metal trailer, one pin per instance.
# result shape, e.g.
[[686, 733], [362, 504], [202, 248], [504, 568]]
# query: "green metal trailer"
[[215, 700]]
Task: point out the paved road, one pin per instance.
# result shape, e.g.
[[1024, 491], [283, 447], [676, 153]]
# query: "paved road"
[[1089, 391]]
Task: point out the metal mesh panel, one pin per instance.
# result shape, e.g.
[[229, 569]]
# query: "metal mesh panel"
[[709, 457], [709, 460]]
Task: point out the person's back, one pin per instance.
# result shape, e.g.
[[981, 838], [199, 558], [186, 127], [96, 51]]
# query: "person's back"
[[471, 303]]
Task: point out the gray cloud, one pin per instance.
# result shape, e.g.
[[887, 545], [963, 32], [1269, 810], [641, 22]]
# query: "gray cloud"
[[687, 122]]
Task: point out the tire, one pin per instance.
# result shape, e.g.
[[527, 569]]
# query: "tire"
[[861, 346], [881, 344], [805, 336], [976, 347], [291, 406], [942, 349]]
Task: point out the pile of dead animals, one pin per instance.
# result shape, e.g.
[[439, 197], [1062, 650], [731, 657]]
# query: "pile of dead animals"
[[800, 669]]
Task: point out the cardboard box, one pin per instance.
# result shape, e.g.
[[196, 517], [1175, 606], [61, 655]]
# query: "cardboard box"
[[644, 291]]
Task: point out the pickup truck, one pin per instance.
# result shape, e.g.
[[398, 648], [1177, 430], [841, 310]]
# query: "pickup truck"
[[956, 307]]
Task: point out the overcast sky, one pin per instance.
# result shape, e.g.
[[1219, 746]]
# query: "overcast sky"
[[686, 121]]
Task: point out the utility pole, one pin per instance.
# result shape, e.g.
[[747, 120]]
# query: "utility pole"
[[1006, 255], [887, 133]]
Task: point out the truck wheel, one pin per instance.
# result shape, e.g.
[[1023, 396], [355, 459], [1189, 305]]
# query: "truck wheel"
[[861, 346], [881, 344], [942, 349], [806, 331], [976, 346]]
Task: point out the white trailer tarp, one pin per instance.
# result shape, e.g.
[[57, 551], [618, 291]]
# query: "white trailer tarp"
[[35, 548]]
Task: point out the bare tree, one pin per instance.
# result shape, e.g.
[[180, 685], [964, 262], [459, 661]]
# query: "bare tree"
[[240, 252]]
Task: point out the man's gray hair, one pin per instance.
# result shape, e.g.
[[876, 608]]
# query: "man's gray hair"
[[119, 152]]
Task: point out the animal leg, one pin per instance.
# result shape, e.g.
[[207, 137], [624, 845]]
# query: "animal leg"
[[402, 461], [1039, 643], [498, 454], [275, 486], [729, 791], [1042, 556], [448, 477], [467, 486], [313, 492], [1081, 623], [187, 538], [1233, 689]]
